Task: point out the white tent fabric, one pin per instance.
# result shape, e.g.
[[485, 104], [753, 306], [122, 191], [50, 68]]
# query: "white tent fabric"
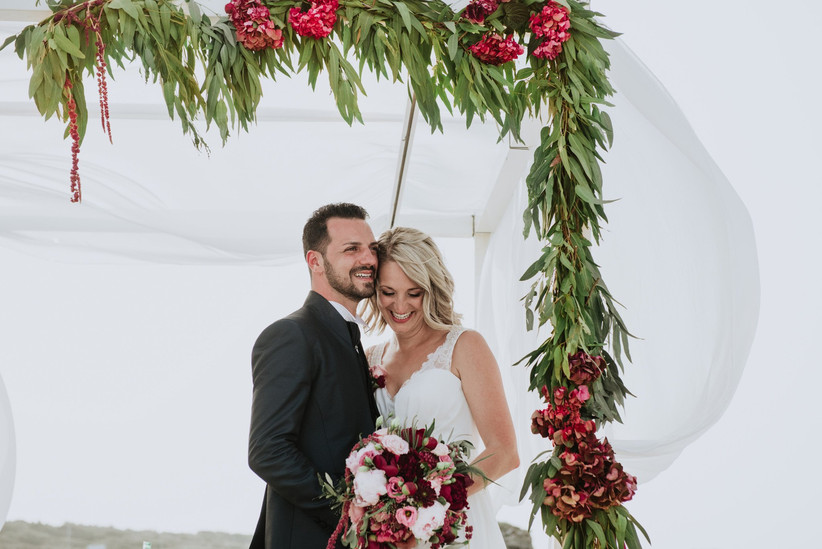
[[151, 198]]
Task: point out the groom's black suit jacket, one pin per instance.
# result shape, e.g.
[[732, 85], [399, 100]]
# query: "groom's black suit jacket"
[[310, 405]]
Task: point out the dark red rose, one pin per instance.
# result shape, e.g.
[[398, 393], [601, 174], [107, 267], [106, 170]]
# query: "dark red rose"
[[430, 443], [456, 493], [388, 465]]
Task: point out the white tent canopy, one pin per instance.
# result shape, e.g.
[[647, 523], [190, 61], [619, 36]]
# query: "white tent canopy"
[[151, 199]]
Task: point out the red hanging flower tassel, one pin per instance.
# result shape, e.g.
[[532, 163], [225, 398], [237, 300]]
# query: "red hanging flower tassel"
[[76, 194], [332, 541], [102, 87]]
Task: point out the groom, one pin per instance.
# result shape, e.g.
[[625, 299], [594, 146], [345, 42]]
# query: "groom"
[[312, 392]]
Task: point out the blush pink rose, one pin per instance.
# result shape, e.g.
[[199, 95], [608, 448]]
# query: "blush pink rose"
[[394, 444]]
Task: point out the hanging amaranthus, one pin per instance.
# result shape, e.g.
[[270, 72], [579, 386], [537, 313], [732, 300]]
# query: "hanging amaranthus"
[[71, 105]]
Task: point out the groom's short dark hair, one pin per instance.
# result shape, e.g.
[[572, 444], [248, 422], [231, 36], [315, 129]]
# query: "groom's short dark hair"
[[315, 232]]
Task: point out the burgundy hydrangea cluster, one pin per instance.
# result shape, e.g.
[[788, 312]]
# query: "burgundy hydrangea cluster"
[[552, 24], [496, 50], [318, 21], [561, 421], [585, 368], [590, 477], [255, 29], [477, 10]]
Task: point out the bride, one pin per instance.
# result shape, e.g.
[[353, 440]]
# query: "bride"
[[436, 370]]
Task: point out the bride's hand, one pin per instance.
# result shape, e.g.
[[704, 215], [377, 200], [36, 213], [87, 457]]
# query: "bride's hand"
[[406, 544]]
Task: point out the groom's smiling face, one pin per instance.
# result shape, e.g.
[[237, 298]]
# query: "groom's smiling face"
[[350, 259]]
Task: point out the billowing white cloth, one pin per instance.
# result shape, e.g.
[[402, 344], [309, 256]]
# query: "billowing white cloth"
[[678, 252], [434, 395], [8, 453]]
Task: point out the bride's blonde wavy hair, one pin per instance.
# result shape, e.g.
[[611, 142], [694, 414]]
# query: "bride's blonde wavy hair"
[[421, 261]]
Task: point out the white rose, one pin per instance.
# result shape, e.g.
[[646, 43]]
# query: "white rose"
[[369, 486], [440, 450], [429, 519], [394, 444]]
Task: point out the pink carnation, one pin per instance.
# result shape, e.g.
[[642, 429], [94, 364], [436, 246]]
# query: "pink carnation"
[[394, 489], [317, 22], [356, 459], [493, 49], [406, 516]]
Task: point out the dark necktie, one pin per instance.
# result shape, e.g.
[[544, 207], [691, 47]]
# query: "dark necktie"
[[354, 331]]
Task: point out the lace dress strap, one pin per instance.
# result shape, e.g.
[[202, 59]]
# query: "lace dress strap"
[[374, 353], [441, 357]]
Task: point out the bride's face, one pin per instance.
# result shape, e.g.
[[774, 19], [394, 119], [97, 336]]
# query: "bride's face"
[[399, 299]]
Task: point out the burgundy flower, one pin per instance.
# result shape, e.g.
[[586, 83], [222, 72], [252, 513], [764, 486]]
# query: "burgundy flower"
[[456, 493], [493, 49], [477, 10], [425, 494], [409, 466], [585, 369], [388, 463]]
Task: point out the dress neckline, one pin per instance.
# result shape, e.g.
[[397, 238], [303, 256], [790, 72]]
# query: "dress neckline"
[[428, 363]]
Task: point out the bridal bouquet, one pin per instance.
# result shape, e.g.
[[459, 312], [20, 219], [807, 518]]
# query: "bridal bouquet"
[[403, 486]]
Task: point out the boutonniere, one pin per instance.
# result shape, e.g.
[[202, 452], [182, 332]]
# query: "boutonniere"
[[377, 377]]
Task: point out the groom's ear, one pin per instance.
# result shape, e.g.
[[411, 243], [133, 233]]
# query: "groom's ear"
[[315, 262]]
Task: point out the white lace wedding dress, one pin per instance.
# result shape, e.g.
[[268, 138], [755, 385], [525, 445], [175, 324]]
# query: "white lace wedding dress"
[[434, 394]]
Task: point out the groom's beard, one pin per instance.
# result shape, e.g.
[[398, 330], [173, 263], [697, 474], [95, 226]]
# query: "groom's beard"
[[347, 286]]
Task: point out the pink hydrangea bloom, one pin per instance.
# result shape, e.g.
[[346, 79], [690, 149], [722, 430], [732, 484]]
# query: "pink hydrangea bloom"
[[252, 21], [317, 22], [496, 50], [553, 24]]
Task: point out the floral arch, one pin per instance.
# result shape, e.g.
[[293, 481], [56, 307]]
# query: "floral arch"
[[463, 62]]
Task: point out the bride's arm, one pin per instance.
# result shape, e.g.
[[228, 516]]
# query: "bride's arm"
[[475, 365]]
